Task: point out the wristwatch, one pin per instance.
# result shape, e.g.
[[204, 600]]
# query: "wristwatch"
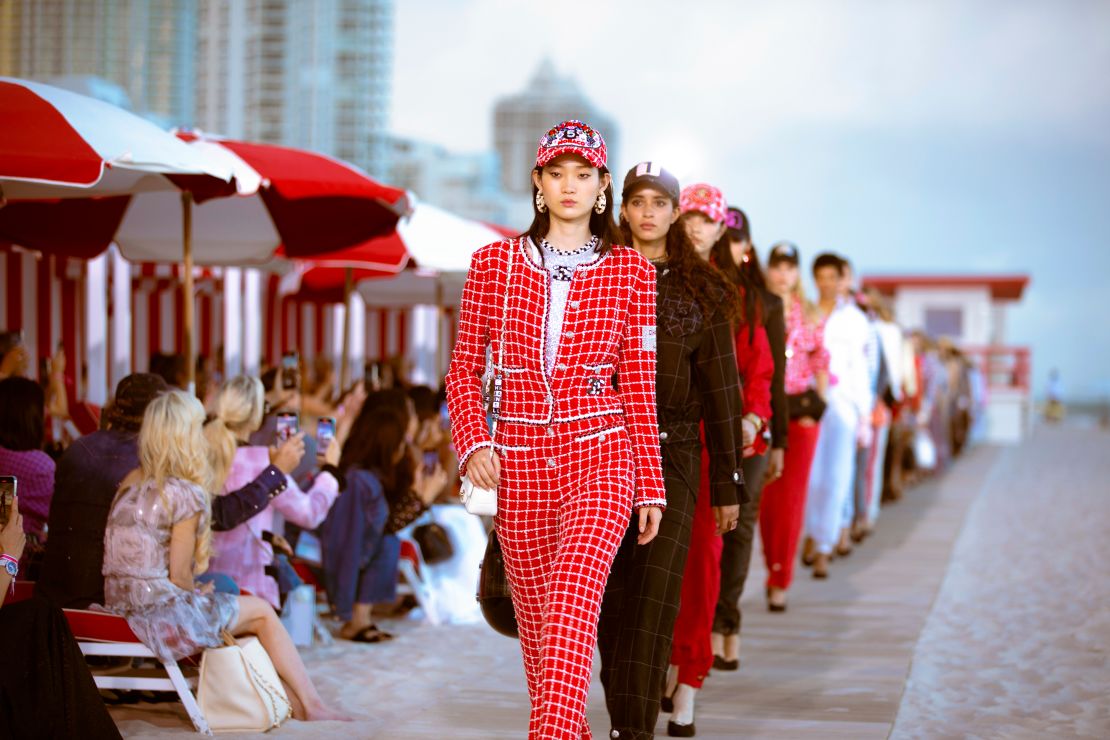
[[754, 420], [11, 565]]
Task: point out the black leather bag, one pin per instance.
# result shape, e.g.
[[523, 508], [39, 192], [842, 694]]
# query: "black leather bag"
[[806, 404], [494, 595], [435, 544]]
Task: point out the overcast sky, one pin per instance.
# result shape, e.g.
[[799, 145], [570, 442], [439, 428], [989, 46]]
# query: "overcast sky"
[[926, 136]]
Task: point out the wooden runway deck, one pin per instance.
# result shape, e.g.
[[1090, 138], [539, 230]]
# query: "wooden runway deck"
[[833, 666]]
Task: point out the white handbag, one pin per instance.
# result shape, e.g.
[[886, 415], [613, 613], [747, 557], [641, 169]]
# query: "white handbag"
[[239, 689], [478, 500]]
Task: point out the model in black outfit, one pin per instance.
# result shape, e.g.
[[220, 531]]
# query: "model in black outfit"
[[696, 381], [741, 263]]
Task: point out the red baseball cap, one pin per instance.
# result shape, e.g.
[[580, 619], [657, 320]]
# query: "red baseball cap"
[[572, 137]]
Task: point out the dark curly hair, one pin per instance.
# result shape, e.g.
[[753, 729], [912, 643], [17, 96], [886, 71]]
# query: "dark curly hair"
[[702, 282]]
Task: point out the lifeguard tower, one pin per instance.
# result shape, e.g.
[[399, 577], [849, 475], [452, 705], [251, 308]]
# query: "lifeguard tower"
[[971, 311]]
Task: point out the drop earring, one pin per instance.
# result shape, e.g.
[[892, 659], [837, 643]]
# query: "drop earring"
[[541, 204], [599, 207]]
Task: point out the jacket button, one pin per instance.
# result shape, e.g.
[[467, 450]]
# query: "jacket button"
[[550, 432], [569, 335], [550, 462], [572, 304], [561, 366], [662, 436]]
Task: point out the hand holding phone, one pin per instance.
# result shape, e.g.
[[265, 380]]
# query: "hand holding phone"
[[290, 371], [325, 433], [8, 487], [286, 425]]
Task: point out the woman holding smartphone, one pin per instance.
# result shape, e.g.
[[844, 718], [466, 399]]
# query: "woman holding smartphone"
[[564, 309]]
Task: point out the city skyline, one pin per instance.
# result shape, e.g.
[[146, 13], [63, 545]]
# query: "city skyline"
[[914, 137]]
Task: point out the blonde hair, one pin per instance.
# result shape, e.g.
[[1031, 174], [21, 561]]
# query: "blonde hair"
[[798, 293], [172, 445], [238, 408]]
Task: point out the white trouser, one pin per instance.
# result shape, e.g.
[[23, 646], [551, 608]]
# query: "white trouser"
[[833, 474], [882, 436]]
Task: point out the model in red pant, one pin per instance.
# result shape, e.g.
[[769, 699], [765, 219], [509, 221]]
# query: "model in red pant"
[[692, 652], [560, 528], [782, 510]]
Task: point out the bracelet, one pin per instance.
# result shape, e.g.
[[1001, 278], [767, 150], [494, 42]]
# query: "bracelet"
[[12, 570], [754, 419]]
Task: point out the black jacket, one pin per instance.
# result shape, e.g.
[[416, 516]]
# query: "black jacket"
[[774, 323], [697, 380]]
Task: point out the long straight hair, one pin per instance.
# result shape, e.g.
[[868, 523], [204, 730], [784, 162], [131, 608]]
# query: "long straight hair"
[[601, 224], [750, 295]]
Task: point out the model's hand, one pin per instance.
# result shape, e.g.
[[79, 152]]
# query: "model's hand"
[[748, 432], [287, 455], [650, 516], [484, 469], [727, 517], [776, 460], [12, 539]]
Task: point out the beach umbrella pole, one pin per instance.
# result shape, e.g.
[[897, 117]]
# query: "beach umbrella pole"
[[345, 367], [189, 318]]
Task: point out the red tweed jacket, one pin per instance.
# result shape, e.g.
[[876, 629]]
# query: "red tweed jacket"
[[609, 326]]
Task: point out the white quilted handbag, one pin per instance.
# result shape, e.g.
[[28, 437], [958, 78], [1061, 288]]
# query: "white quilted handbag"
[[239, 689]]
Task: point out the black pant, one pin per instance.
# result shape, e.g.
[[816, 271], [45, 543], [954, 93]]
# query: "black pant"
[[641, 603], [736, 550]]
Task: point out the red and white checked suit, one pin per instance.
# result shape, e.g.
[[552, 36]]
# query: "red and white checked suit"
[[576, 454]]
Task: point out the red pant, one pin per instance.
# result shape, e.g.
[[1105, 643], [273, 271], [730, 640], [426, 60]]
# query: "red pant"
[[564, 503], [782, 510], [701, 586]]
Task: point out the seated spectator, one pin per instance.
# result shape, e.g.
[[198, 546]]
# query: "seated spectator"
[[360, 550], [246, 552], [279, 399], [88, 476], [45, 686], [22, 409], [158, 538], [14, 360]]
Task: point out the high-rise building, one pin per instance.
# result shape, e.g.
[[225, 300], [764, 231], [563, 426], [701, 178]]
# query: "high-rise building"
[[520, 120], [465, 184], [146, 47], [306, 73]]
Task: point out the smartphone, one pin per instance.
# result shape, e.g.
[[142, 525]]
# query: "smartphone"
[[325, 433], [290, 371], [8, 486], [373, 377], [444, 417], [431, 460], [286, 425]]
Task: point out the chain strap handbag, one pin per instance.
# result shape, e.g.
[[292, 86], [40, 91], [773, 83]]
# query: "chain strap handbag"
[[239, 689], [478, 500]]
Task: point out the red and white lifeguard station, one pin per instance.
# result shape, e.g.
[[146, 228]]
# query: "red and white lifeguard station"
[[970, 310]]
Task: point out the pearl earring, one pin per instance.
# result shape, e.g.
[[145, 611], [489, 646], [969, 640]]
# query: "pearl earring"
[[599, 207], [541, 204]]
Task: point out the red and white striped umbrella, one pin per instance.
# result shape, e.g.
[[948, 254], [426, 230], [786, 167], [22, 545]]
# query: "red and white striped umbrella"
[[58, 144]]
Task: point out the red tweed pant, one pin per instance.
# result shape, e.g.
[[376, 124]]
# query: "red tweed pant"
[[563, 505]]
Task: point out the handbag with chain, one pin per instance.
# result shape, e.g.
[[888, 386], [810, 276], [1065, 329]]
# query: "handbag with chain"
[[478, 500], [239, 689], [494, 595]]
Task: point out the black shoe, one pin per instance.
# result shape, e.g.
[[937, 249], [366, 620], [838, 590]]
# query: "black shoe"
[[666, 704], [776, 607], [676, 730], [725, 665]]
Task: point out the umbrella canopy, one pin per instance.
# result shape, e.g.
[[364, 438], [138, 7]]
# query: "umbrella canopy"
[[304, 202], [438, 242], [57, 144]]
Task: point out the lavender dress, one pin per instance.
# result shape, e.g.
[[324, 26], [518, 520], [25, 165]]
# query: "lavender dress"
[[172, 622]]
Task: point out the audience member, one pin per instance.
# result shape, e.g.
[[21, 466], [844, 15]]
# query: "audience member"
[[246, 553], [158, 538], [88, 476], [21, 436]]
